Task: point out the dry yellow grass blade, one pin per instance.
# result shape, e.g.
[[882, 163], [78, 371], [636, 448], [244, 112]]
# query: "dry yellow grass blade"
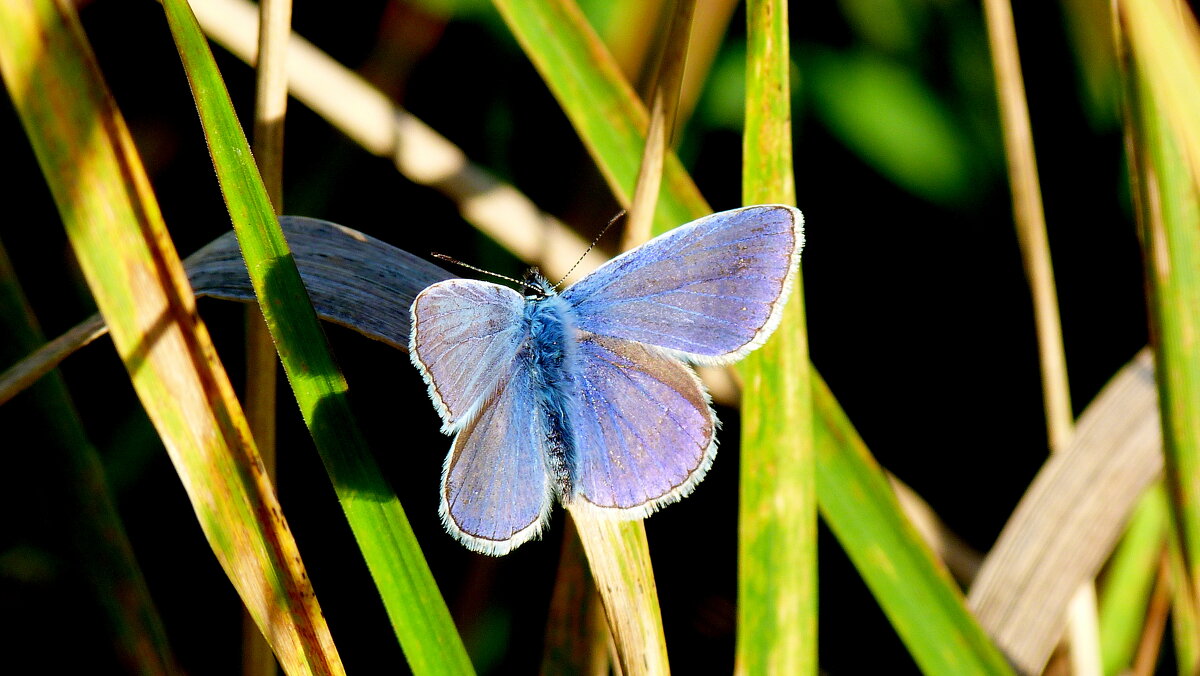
[[619, 558], [1164, 35], [270, 107]]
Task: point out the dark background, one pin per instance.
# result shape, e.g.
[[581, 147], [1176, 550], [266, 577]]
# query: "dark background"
[[919, 316]]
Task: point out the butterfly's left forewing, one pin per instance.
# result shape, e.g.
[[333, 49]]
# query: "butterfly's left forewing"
[[644, 430], [465, 336]]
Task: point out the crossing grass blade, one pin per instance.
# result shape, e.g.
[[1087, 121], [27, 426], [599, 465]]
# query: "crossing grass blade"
[[417, 611]]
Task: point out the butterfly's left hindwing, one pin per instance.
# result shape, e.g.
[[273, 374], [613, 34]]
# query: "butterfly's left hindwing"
[[496, 494], [644, 430]]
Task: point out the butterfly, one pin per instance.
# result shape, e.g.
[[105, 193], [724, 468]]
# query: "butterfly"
[[586, 396]]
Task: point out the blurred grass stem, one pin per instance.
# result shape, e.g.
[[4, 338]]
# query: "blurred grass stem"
[[270, 107], [1083, 625]]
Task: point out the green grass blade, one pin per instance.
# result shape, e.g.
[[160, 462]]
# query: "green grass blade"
[[1168, 212], [777, 520], [1129, 581], [914, 590], [415, 607], [119, 238]]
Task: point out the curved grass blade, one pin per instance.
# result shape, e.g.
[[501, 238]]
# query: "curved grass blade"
[[1070, 518], [414, 605], [777, 511], [120, 240]]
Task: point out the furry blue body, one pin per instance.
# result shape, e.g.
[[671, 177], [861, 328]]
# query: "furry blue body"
[[550, 355]]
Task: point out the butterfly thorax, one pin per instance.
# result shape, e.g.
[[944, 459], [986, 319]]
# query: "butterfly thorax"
[[551, 353]]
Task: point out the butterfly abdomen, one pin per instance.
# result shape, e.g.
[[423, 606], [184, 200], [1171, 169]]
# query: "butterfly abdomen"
[[551, 355]]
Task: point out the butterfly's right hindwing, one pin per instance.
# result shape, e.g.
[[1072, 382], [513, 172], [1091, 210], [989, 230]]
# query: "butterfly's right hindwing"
[[645, 431], [465, 337]]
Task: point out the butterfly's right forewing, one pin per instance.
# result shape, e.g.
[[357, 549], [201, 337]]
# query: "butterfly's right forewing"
[[465, 337]]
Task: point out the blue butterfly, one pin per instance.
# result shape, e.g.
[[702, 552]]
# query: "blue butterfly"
[[582, 396]]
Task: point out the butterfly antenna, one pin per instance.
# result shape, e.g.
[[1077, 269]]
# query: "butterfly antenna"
[[591, 246], [451, 259]]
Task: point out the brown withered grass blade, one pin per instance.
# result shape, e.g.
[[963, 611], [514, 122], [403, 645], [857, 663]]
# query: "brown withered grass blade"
[[1069, 520]]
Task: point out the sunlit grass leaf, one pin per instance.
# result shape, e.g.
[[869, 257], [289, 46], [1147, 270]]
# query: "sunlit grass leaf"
[[914, 590], [777, 506], [1163, 138]]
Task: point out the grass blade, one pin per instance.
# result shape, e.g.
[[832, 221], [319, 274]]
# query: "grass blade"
[[1125, 595], [415, 607], [777, 512], [1164, 162], [602, 106], [117, 233]]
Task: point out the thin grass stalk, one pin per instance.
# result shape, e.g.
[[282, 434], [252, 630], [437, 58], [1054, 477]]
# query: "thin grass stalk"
[[1167, 198], [709, 28], [664, 102], [1083, 628], [628, 591], [777, 512], [49, 355], [1149, 645], [619, 557], [270, 107], [116, 230], [577, 637]]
